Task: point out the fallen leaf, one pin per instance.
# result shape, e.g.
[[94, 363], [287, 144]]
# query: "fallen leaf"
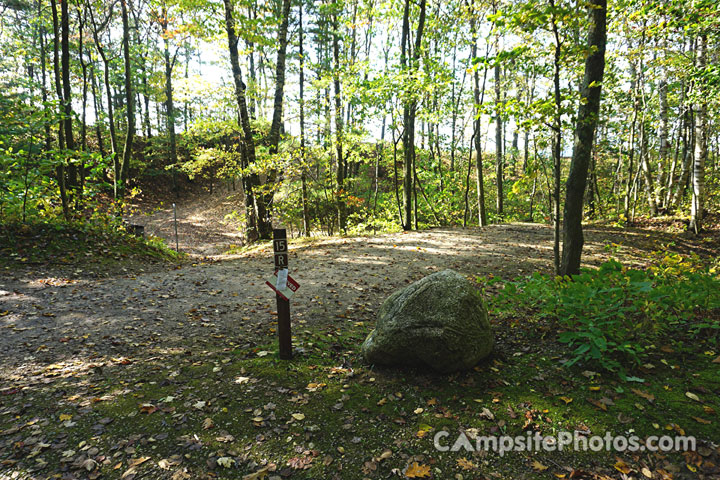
[[300, 463], [313, 387], [416, 470], [566, 400], [702, 420], [622, 467], [226, 462], [538, 467], [208, 424], [260, 474], [647, 396], [298, 416], [692, 396], [138, 461], [465, 464]]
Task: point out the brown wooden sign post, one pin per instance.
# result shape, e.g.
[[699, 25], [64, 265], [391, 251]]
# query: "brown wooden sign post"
[[283, 303]]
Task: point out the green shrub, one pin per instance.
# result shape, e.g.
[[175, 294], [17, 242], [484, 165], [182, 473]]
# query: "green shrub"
[[611, 316]]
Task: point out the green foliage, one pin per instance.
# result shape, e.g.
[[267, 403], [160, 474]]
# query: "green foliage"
[[611, 316], [101, 243]]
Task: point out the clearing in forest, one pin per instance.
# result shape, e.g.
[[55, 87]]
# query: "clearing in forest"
[[172, 372]]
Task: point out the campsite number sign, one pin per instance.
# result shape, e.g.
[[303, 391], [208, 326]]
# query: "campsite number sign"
[[284, 286]]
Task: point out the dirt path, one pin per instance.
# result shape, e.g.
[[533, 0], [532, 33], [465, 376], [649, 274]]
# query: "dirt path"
[[207, 224], [212, 305]]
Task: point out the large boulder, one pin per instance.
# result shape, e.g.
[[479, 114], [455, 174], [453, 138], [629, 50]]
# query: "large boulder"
[[439, 322]]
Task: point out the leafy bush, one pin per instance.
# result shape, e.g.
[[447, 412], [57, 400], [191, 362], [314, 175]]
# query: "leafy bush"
[[610, 316]]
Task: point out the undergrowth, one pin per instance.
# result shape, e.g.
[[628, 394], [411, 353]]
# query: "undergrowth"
[[611, 317]]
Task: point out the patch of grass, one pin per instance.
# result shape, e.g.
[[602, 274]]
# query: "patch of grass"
[[99, 247], [610, 316]]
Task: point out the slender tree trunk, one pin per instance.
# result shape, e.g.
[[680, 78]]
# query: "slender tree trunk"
[[454, 112], [169, 100], [479, 96], [97, 110], [71, 177], [499, 167], [687, 156], [407, 156], [108, 93], [410, 106], [254, 209], [700, 158], [129, 98], [631, 156], [587, 119], [664, 147], [395, 177], [341, 169], [82, 17], [303, 174], [266, 195], [60, 169], [557, 142], [644, 160], [43, 68], [672, 176], [66, 87]]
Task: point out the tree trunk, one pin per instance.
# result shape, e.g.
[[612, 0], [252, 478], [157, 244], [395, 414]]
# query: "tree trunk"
[[82, 17], [71, 170], [108, 93], [499, 167], [664, 147], [698, 181], [267, 194], [479, 97], [340, 170], [129, 98], [60, 169], [97, 109], [169, 100], [303, 175], [66, 87], [254, 209], [587, 118], [410, 107], [557, 143]]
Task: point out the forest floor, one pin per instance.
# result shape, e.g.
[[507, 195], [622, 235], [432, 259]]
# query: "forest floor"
[[170, 370]]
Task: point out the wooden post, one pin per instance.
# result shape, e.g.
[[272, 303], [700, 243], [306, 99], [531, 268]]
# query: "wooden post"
[[177, 247], [283, 305]]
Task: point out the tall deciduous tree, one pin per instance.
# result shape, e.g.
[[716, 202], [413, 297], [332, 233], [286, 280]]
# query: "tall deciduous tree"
[[698, 181], [254, 210], [587, 119], [129, 96], [410, 104]]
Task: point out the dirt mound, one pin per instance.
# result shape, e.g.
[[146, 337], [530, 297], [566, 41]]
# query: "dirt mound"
[[207, 222]]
